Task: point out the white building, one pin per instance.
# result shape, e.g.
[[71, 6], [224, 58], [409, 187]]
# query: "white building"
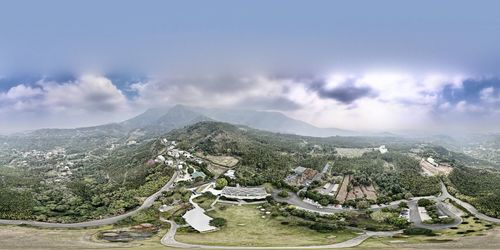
[[160, 158]]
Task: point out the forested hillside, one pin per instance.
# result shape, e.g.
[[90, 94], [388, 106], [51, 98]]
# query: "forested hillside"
[[480, 187]]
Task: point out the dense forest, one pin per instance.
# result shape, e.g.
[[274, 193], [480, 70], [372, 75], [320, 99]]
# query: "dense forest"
[[480, 187]]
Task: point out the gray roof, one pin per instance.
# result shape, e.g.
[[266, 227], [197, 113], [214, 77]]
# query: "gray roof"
[[299, 170], [244, 192]]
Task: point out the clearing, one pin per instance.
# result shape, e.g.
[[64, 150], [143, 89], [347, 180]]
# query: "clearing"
[[226, 161], [352, 152]]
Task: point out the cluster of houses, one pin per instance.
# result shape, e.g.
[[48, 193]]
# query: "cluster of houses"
[[301, 176], [177, 158]]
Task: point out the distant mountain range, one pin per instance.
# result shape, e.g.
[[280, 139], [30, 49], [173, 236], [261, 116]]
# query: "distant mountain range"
[[164, 119], [157, 121]]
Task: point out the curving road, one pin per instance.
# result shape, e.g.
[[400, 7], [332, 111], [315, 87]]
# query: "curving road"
[[101, 222], [169, 240], [295, 200], [445, 195]]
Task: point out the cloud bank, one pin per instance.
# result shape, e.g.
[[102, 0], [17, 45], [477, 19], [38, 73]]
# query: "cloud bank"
[[372, 101]]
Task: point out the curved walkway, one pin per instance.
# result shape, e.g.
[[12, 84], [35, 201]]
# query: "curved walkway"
[[169, 240], [101, 222]]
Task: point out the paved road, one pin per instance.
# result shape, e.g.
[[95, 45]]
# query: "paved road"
[[295, 200], [94, 223], [415, 216], [445, 195], [169, 240]]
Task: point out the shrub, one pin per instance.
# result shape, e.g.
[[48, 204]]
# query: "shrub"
[[218, 222], [283, 194], [418, 231], [424, 202], [220, 183]]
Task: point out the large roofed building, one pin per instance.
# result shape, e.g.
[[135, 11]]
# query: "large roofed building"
[[244, 193]]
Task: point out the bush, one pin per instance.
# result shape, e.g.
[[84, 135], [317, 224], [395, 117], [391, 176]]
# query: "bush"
[[220, 183], [283, 194], [218, 222], [324, 227], [418, 231], [424, 202]]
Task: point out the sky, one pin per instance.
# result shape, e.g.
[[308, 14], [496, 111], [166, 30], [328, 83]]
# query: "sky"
[[428, 66]]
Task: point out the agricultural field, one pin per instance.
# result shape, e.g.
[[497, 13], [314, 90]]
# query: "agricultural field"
[[352, 152], [227, 161], [342, 194]]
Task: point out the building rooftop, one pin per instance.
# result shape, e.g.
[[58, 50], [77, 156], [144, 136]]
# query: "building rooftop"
[[299, 170], [244, 193], [198, 174]]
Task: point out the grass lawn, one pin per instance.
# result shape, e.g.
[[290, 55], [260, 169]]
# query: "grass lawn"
[[471, 226], [204, 202], [246, 227], [447, 237]]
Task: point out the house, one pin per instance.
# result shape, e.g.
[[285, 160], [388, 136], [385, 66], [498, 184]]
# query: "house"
[[230, 173], [382, 149], [432, 161], [299, 170], [198, 174], [160, 158]]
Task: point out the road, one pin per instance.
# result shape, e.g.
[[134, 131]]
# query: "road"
[[148, 202], [169, 240], [415, 216], [295, 200], [445, 195]]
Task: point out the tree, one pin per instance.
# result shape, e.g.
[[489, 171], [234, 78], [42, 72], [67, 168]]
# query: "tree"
[[190, 170], [220, 183], [218, 222], [362, 204], [424, 202], [408, 196], [283, 194]]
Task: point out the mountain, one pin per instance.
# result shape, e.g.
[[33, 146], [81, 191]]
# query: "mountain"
[[161, 120], [178, 116], [270, 121]]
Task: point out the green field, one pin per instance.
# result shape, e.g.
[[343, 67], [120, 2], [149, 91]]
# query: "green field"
[[246, 227]]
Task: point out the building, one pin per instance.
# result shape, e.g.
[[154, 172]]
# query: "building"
[[230, 174], [244, 193], [299, 170], [301, 176], [159, 159], [198, 174]]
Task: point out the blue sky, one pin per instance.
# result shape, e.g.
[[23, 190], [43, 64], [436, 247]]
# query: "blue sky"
[[331, 63]]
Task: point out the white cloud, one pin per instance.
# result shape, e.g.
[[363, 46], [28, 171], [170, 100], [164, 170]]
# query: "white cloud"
[[20, 91], [87, 93], [88, 100], [489, 95]]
